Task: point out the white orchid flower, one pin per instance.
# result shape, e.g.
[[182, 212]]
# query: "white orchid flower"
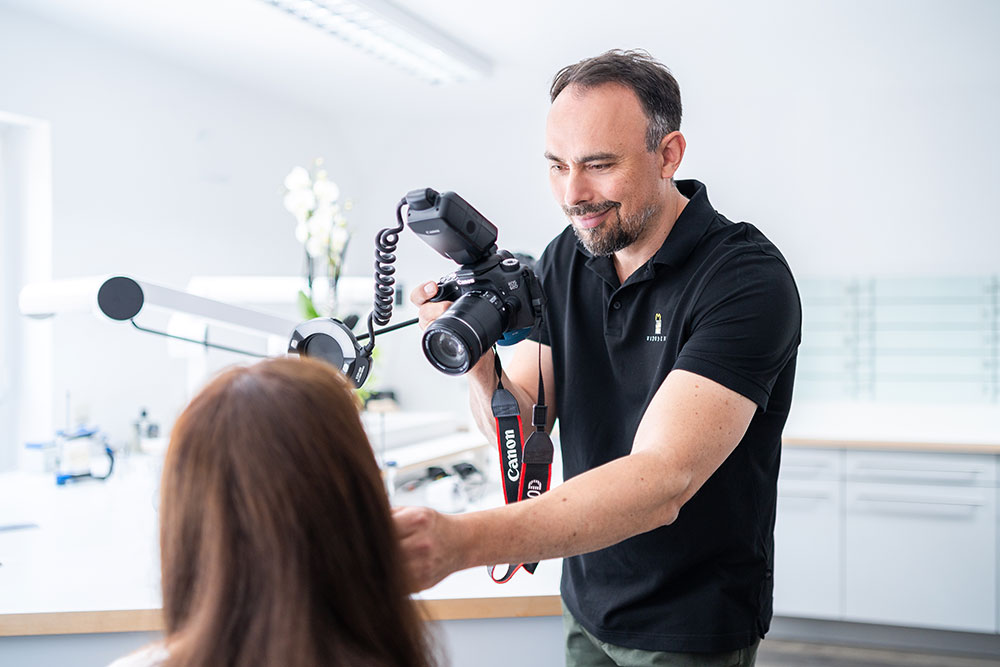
[[338, 239], [321, 218], [297, 179], [321, 226], [302, 232], [326, 191], [316, 246], [299, 202]]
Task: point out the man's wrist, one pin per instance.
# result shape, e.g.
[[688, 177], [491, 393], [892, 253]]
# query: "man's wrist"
[[467, 540], [483, 371]]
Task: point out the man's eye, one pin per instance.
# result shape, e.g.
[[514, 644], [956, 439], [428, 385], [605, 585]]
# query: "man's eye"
[[556, 167], [600, 166]]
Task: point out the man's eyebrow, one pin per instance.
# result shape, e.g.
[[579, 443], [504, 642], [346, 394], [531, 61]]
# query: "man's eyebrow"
[[593, 157], [597, 157]]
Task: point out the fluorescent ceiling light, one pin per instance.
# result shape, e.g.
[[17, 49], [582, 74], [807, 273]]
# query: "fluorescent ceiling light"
[[393, 35]]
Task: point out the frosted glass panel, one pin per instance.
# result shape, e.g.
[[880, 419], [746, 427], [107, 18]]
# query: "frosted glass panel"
[[922, 339]]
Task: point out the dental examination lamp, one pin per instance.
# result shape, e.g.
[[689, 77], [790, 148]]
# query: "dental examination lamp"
[[122, 298]]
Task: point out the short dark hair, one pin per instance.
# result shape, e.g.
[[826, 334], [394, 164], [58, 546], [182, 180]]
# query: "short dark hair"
[[638, 71]]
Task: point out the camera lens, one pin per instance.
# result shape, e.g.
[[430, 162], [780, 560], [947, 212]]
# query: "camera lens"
[[454, 342], [448, 350]]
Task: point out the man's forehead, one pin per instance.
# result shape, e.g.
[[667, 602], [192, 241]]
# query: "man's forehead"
[[583, 93], [586, 121]]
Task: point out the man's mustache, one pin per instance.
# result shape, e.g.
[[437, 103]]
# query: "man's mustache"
[[587, 209]]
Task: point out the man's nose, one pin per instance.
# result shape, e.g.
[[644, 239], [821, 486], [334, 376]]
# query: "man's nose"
[[578, 188]]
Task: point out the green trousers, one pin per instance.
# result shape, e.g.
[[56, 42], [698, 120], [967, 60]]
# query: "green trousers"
[[585, 650]]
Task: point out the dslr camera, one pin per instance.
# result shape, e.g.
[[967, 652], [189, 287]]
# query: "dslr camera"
[[497, 298]]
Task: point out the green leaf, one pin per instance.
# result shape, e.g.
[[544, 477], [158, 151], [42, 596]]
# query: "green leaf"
[[306, 306]]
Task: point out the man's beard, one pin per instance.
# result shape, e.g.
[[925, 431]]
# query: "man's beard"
[[615, 233]]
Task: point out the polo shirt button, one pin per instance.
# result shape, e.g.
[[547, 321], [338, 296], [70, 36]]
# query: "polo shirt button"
[[616, 305]]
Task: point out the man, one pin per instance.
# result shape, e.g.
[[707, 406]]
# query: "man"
[[668, 350]]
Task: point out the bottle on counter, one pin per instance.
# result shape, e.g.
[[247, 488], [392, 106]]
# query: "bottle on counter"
[[389, 476], [139, 429]]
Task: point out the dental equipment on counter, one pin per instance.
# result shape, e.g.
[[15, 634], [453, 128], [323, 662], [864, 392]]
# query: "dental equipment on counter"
[[70, 455]]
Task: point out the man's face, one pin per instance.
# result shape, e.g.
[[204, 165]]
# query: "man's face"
[[608, 184]]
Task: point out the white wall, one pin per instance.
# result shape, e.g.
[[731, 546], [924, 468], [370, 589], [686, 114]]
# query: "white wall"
[[860, 136], [25, 254]]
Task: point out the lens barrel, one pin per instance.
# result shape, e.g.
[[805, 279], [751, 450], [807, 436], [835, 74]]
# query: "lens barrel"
[[454, 342]]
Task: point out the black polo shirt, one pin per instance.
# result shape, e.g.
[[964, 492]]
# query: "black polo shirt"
[[717, 299]]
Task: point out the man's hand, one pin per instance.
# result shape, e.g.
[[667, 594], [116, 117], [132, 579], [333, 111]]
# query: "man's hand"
[[429, 311], [428, 543]]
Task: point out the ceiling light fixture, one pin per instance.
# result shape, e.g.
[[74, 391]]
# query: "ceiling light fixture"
[[393, 35]]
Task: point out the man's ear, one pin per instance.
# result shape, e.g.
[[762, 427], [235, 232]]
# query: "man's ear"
[[671, 152]]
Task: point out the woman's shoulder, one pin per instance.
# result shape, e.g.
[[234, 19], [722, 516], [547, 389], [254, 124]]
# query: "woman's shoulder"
[[148, 656]]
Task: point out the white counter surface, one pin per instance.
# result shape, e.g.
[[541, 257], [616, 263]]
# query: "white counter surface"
[[975, 425], [92, 547]]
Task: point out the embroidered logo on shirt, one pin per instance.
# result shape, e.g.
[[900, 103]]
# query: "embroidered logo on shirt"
[[657, 336]]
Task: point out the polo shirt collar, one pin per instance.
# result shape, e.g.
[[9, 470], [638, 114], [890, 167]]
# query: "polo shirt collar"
[[688, 229]]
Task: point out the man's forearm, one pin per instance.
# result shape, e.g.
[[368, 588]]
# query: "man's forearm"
[[597, 509], [691, 426]]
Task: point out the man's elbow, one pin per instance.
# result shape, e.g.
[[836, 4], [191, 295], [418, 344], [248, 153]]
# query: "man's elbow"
[[677, 492], [669, 512]]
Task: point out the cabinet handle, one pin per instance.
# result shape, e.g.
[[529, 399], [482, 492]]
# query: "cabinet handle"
[[805, 496], [917, 472], [804, 467], [919, 501], [955, 508]]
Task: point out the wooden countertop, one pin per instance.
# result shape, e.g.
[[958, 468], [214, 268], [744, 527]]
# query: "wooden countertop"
[[971, 429], [150, 620], [894, 445]]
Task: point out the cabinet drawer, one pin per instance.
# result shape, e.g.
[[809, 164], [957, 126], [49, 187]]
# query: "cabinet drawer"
[[808, 549], [922, 468], [921, 555], [811, 464]]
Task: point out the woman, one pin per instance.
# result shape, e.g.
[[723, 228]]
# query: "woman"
[[276, 542]]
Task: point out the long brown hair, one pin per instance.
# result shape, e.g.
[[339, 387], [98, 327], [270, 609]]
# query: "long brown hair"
[[276, 539]]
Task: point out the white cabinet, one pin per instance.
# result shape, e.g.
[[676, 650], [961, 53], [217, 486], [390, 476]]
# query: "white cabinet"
[[892, 537], [920, 540], [807, 535]]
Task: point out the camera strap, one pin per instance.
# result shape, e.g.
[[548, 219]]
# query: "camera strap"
[[507, 413], [527, 470]]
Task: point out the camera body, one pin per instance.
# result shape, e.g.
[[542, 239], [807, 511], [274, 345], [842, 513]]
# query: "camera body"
[[504, 282], [497, 298]]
